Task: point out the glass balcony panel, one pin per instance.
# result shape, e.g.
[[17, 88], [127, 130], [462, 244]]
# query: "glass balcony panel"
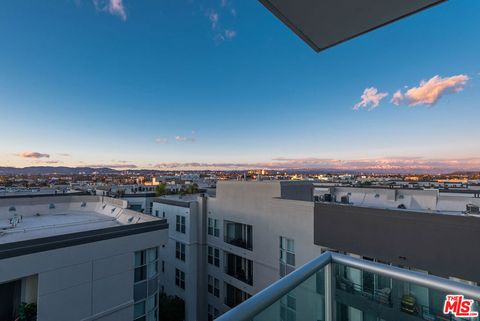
[[362, 295], [355, 293], [304, 303]]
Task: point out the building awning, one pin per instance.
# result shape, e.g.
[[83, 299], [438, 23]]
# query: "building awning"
[[326, 23]]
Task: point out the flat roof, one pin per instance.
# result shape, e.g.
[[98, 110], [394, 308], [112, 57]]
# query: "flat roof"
[[326, 23], [33, 223]]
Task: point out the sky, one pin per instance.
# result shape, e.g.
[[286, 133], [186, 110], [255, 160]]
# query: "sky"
[[223, 84]]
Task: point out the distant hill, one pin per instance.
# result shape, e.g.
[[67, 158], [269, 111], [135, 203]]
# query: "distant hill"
[[44, 170]]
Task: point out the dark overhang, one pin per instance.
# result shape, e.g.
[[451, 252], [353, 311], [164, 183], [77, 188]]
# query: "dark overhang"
[[13, 249], [326, 23]]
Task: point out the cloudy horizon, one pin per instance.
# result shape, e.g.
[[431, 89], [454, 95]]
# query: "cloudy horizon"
[[222, 84]]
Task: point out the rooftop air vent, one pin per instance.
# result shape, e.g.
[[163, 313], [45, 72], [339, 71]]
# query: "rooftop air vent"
[[377, 195], [83, 204], [402, 207], [12, 209], [401, 197], [51, 206], [130, 219], [473, 209]]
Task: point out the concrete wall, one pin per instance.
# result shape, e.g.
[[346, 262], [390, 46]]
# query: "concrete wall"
[[444, 245], [258, 204], [92, 281]]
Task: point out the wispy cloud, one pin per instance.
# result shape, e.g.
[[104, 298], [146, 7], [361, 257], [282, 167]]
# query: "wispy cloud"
[[185, 139], [430, 91], [36, 155], [213, 16], [51, 162], [230, 34], [161, 140], [115, 166], [114, 7], [371, 99], [221, 20]]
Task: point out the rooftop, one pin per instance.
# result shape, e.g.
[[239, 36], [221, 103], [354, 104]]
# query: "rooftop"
[[23, 219]]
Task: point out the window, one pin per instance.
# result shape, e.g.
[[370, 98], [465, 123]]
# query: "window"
[[146, 264], [214, 286], [146, 267], [163, 214], [180, 279], [180, 224], [146, 309], [287, 256], [156, 213], [213, 228], [288, 307], [213, 313], [238, 234], [180, 251], [239, 267], [213, 256], [163, 266], [234, 296]]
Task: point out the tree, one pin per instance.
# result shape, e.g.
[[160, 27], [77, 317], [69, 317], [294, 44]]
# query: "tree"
[[171, 308], [161, 189], [191, 189]]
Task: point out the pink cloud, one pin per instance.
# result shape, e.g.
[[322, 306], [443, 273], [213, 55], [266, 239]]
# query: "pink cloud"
[[387, 164], [371, 99], [114, 7], [36, 155], [429, 92]]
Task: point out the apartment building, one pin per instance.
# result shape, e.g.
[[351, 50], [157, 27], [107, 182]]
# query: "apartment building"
[[78, 258], [183, 257], [253, 233]]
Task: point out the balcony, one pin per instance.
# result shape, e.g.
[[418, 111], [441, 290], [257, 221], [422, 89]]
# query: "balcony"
[[234, 296], [338, 287], [238, 234], [238, 267]]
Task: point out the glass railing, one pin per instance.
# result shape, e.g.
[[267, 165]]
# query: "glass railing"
[[342, 288]]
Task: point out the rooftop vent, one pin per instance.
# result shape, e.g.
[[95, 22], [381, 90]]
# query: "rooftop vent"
[[402, 207], [401, 197], [377, 195], [12, 209], [473, 209], [130, 219], [51, 206], [83, 204], [345, 199]]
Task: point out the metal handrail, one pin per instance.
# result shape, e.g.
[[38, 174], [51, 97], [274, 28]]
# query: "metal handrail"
[[273, 293], [429, 281]]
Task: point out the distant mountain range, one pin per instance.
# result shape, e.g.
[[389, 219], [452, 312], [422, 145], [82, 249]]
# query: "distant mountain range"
[[45, 170], [63, 170]]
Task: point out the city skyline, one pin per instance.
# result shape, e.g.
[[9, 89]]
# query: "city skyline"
[[224, 85]]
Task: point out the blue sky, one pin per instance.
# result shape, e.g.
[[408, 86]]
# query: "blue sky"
[[224, 84]]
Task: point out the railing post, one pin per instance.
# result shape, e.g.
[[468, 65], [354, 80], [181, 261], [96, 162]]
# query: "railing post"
[[328, 292]]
